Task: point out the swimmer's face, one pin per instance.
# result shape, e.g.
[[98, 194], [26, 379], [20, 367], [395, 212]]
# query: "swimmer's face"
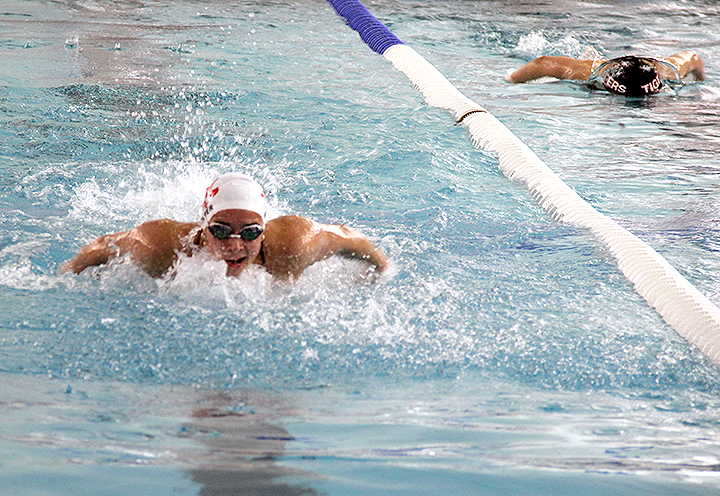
[[237, 253]]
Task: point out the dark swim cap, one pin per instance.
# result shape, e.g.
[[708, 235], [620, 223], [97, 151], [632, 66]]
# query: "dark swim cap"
[[632, 76]]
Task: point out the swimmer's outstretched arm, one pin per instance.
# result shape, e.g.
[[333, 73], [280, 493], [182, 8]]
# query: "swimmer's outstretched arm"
[[549, 66], [154, 245], [294, 243], [688, 62]]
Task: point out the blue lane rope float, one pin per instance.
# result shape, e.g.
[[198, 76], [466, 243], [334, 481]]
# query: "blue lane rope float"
[[677, 301]]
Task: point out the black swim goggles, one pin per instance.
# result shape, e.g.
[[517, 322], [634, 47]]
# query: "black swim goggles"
[[247, 233]]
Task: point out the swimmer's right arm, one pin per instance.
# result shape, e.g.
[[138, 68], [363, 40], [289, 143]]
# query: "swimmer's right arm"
[[556, 67], [153, 245], [98, 252]]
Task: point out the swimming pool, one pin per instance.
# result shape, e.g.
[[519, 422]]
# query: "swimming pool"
[[505, 354]]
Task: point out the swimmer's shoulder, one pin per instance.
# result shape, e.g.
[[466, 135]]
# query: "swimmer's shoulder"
[[288, 221], [155, 244], [162, 238], [288, 232], [288, 246], [166, 229]]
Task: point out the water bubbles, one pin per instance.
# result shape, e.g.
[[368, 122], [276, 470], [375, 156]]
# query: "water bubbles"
[[72, 42], [182, 48], [536, 43]]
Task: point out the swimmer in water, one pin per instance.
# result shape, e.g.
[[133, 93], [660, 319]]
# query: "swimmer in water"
[[232, 228], [628, 75]]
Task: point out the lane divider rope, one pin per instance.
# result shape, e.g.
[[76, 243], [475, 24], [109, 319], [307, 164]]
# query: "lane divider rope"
[[677, 301]]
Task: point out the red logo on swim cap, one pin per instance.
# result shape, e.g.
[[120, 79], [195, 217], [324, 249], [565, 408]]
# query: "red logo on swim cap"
[[209, 193]]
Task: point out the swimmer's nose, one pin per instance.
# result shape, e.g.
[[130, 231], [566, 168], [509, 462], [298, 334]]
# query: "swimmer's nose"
[[234, 244]]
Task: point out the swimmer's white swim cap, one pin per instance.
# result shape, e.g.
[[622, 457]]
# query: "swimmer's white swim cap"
[[233, 191]]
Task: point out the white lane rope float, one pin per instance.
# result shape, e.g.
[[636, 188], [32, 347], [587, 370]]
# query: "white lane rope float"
[[677, 301]]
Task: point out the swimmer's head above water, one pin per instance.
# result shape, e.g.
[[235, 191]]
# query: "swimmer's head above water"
[[629, 76], [233, 221], [233, 191]]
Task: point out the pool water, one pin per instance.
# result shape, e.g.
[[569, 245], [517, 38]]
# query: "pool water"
[[503, 354]]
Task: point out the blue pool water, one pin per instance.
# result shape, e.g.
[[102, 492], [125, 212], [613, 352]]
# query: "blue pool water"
[[504, 354]]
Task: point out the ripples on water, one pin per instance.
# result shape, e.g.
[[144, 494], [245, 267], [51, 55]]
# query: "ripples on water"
[[501, 336]]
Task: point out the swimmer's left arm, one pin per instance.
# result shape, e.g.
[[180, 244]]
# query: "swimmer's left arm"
[[294, 243], [688, 62], [348, 243]]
